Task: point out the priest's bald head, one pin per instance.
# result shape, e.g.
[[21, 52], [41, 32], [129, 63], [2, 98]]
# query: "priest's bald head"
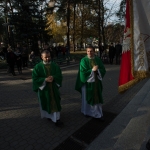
[[46, 56]]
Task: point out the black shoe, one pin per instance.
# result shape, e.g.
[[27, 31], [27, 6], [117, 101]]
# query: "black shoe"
[[49, 119], [59, 123], [13, 74], [148, 145], [102, 119], [87, 116]]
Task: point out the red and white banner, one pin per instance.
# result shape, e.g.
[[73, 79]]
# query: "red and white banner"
[[135, 61]]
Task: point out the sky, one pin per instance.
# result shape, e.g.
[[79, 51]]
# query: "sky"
[[113, 6]]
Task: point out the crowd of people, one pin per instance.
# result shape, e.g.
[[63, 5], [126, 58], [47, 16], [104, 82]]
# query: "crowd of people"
[[57, 51], [115, 52], [18, 56]]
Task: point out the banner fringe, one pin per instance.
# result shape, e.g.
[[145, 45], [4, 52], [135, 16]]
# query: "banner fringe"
[[127, 85], [141, 74]]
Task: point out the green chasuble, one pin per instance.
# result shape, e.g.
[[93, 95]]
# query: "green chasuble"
[[94, 89], [49, 97]]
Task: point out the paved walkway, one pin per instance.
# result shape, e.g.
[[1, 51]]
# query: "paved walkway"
[[130, 130], [20, 124]]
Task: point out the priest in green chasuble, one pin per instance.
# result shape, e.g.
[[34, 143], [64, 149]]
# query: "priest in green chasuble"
[[47, 78], [89, 84]]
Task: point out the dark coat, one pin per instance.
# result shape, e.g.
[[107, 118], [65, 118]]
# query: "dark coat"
[[111, 51], [118, 49], [18, 57], [11, 57]]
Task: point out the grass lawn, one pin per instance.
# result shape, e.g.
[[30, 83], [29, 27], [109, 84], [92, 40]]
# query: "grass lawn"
[[78, 52]]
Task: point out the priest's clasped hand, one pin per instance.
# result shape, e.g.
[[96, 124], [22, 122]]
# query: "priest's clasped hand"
[[95, 68], [49, 79]]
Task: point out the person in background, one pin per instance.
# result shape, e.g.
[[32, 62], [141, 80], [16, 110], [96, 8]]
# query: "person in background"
[[32, 56], [63, 48], [25, 57], [56, 52], [51, 50], [59, 51], [111, 53], [18, 60], [89, 84], [4, 49], [2, 55], [67, 50], [148, 145], [11, 58], [47, 78], [118, 51], [19, 47]]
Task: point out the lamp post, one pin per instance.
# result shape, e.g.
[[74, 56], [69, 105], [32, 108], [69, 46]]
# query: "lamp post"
[[6, 24], [51, 5], [74, 23], [7, 31], [10, 34]]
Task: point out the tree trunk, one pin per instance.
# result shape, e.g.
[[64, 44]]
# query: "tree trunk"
[[68, 23], [74, 17], [103, 30], [82, 28]]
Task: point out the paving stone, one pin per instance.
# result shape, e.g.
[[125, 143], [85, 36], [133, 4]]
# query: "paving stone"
[[40, 140], [14, 143], [29, 147], [38, 146], [20, 115], [32, 141], [5, 145], [23, 142], [47, 146]]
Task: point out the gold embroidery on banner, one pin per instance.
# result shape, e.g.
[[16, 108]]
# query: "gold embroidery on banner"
[[141, 74], [141, 52], [141, 48], [146, 39], [148, 59], [126, 41], [128, 85], [53, 105], [138, 75], [132, 38]]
